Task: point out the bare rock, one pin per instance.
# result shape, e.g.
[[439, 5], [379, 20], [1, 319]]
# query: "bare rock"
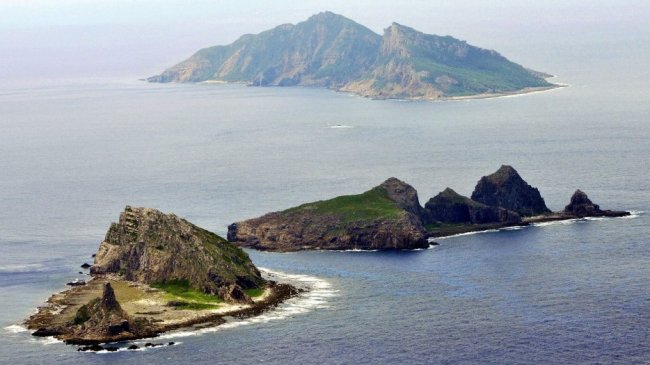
[[150, 247], [580, 206], [506, 189], [450, 207]]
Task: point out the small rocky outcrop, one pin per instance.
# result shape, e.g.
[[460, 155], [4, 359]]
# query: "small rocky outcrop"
[[150, 247], [506, 189], [450, 207], [385, 217], [103, 318], [403, 194], [580, 206]]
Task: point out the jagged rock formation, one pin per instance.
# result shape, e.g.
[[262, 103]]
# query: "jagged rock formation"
[[381, 218], [580, 206], [329, 50], [103, 318], [506, 189], [150, 247], [450, 207]]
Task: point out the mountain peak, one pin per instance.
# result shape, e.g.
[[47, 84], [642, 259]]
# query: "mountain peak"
[[332, 51], [328, 16]]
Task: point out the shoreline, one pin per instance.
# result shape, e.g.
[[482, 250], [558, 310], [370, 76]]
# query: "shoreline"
[[520, 92], [52, 318], [527, 222]]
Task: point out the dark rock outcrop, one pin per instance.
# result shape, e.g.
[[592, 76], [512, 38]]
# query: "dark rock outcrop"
[[451, 207], [151, 247], [506, 189], [103, 320], [384, 217], [580, 206]]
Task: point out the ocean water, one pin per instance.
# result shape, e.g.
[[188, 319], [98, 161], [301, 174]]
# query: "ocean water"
[[73, 154]]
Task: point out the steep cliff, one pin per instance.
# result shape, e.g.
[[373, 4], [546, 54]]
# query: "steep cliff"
[[150, 247]]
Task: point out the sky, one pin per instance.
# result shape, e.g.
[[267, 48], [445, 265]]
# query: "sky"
[[138, 38]]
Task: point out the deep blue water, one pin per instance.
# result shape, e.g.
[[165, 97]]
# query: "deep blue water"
[[73, 155]]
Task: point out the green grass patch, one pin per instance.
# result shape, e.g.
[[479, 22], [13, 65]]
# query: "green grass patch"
[[254, 292], [372, 204], [180, 289]]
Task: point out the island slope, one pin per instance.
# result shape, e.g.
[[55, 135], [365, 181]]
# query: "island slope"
[[329, 50], [385, 217]]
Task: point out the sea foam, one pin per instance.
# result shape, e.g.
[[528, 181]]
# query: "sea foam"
[[318, 294]]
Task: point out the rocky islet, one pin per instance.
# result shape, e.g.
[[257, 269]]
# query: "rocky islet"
[[389, 216]]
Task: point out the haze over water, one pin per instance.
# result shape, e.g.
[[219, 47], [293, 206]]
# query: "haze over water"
[[80, 138]]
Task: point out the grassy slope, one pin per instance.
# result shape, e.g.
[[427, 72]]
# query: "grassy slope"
[[180, 290], [371, 205]]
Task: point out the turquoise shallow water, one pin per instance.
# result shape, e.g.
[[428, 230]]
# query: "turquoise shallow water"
[[73, 155]]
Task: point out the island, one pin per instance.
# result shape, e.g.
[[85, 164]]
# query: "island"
[[156, 272], [331, 51], [390, 216]]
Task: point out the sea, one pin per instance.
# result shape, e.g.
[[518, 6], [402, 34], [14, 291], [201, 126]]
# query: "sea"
[[74, 153]]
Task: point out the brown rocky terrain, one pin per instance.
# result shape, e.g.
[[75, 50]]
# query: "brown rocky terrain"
[[150, 247], [156, 272], [385, 217]]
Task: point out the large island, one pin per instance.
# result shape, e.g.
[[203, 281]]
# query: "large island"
[[331, 51]]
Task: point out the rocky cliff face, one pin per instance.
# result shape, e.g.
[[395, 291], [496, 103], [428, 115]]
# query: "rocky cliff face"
[[381, 218], [506, 189], [151, 247], [451, 207], [332, 51]]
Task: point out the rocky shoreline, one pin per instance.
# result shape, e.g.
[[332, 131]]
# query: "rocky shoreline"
[[52, 319], [154, 273]]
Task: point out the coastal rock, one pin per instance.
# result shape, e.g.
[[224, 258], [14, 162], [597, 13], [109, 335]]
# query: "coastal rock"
[[233, 293], [451, 207], [382, 218], [150, 247], [103, 318], [506, 189], [580, 206], [403, 194]]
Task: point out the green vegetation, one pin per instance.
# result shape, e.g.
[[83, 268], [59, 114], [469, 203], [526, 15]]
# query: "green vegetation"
[[180, 289], [254, 292], [82, 314], [334, 51], [372, 204]]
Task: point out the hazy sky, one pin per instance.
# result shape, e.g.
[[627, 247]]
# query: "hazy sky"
[[138, 38]]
